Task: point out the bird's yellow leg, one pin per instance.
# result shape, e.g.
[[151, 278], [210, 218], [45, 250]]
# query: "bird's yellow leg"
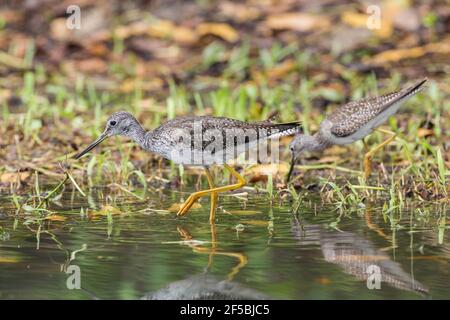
[[190, 201], [212, 212], [196, 195], [368, 156]]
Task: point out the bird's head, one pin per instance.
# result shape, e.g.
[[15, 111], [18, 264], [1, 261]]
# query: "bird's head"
[[302, 143], [298, 145], [120, 123]]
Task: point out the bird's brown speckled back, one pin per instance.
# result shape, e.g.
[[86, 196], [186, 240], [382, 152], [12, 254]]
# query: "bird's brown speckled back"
[[351, 117]]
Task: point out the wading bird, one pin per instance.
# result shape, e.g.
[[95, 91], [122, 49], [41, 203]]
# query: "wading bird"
[[352, 122], [198, 140]]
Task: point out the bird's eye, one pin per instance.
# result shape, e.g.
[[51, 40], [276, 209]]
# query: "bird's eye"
[[112, 123]]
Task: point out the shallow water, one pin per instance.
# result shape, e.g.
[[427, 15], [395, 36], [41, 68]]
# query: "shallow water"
[[261, 251]]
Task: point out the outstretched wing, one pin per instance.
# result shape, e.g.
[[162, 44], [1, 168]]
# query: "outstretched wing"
[[354, 115]]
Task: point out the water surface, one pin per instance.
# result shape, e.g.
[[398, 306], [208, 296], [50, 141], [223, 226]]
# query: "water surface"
[[255, 250]]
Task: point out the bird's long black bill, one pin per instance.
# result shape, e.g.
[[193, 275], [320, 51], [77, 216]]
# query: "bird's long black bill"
[[91, 146], [291, 169]]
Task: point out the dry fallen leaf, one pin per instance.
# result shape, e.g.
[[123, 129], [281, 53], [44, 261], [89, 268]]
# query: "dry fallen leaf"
[[239, 12], [244, 212], [184, 35], [11, 177], [396, 55], [133, 29], [97, 49], [176, 206], [268, 169], [281, 69], [107, 209], [422, 132], [162, 29], [257, 223], [93, 65], [221, 30], [354, 19], [59, 30], [298, 22], [167, 29], [359, 20], [8, 260], [55, 217]]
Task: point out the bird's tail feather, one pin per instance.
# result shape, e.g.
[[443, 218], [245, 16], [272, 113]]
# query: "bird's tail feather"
[[285, 129], [412, 90]]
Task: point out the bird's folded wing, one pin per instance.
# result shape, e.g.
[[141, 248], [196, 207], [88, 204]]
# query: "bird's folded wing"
[[351, 117], [193, 132]]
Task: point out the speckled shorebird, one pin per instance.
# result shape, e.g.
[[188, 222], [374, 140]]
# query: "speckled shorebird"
[[353, 122], [197, 140]]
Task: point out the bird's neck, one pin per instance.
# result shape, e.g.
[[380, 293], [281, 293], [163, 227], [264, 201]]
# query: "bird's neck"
[[139, 135]]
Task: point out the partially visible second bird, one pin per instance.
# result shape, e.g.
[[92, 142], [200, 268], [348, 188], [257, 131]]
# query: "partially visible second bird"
[[353, 122]]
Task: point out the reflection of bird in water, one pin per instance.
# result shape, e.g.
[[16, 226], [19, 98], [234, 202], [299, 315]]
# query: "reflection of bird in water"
[[205, 286], [213, 251], [354, 254], [199, 287]]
